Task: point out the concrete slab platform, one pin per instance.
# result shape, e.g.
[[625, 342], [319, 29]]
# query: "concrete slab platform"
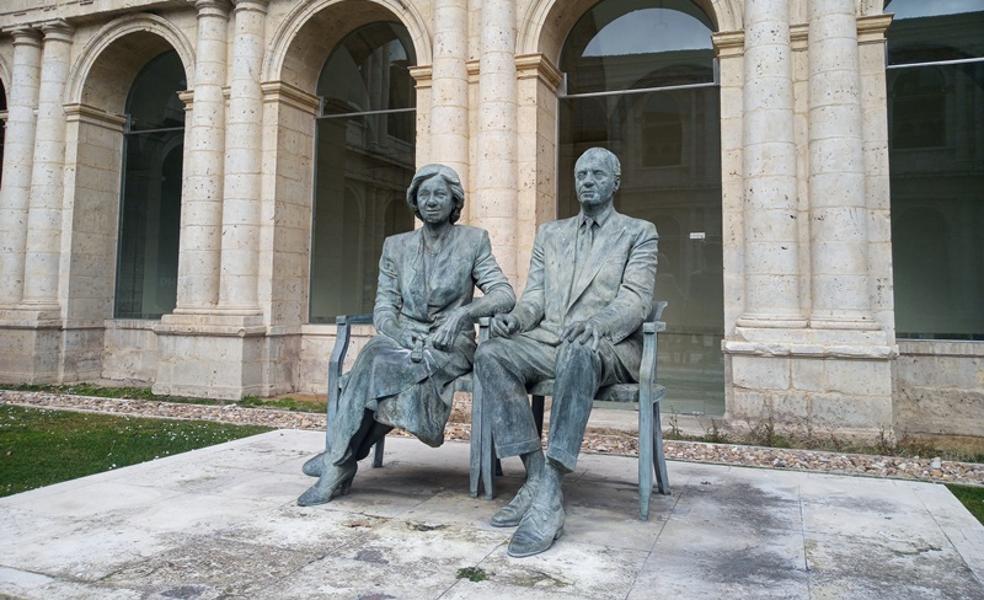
[[221, 523]]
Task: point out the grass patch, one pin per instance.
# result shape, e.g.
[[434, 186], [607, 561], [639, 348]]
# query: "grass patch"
[[288, 403], [42, 447], [473, 574], [972, 498]]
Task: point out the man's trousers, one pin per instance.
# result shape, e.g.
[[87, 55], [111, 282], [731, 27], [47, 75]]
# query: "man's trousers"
[[507, 367]]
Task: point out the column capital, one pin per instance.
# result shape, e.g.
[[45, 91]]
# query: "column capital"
[[728, 43], [423, 75], [57, 29], [25, 35], [211, 8], [259, 6], [530, 66]]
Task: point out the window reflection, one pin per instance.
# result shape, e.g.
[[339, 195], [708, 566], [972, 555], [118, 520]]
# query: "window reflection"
[[936, 144], [669, 144], [637, 44], [364, 161], [150, 213]]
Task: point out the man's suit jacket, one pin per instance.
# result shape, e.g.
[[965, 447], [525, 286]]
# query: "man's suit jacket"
[[614, 289]]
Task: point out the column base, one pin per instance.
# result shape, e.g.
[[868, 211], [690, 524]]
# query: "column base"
[[219, 355], [48, 351], [833, 383]]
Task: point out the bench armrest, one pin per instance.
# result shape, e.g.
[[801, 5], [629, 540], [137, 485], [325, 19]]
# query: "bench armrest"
[[343, 336]]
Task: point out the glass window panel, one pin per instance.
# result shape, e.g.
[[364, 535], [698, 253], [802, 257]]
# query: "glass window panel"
[[150, 220], [925, 31], [368, 71], [150, 208], [937, 183], [364, 164], [671, 175], [633, 44], [153, 101]]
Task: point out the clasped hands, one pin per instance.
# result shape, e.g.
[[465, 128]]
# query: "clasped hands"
[[443, 337], [578, 332]]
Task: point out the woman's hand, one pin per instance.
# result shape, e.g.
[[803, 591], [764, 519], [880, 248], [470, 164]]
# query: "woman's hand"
[[408, 338], [443, 337]]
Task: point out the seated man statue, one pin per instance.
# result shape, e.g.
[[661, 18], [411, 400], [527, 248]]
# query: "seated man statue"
[[590, 288]]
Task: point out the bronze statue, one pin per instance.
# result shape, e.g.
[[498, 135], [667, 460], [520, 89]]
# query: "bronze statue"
[[590, 288], [424, 316]]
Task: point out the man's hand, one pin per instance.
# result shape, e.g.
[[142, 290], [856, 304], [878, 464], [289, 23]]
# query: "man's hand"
[[504, 325], [582, 332], [443, 337]]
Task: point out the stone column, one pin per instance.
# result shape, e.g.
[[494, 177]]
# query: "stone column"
[[769, 166], [838, 215], [18, 157], [495, 208], [241, 205], [45, 217], [201, 194], [449, 87]]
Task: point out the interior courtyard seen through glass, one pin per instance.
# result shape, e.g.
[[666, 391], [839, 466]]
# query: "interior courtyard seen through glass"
[[935, 82], [364, 162], [641, 81], [150, 211]]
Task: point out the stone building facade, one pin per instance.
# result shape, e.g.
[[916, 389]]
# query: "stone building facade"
[[193, 189]]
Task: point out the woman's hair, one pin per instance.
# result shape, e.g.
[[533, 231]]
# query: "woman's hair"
[[449, 176]]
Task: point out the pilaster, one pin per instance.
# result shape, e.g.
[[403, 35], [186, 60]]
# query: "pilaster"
[[496, 185], [44, 225], [18, 159], [238, 284]]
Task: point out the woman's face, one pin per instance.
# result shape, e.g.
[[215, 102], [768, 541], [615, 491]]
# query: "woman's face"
[[434, 201]]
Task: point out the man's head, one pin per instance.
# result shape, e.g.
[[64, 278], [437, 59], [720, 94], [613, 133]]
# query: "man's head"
[[597, 176]]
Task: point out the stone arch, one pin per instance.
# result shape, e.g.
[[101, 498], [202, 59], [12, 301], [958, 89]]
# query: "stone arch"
[[300, 45], [549, 21], [120, 49]]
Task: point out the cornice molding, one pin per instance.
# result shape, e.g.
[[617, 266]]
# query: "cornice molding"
[[290, 95]]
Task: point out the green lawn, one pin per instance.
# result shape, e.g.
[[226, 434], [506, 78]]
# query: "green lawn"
[[41, 447], [972, 498]]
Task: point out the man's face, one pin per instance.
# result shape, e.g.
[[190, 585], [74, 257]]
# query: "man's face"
[[594, 181]]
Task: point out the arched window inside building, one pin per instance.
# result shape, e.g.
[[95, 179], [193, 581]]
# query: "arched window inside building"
[[364, 162], [641, 80], [936, 145], [150, 208]]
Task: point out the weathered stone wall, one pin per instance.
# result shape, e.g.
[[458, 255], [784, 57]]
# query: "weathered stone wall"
[[808, 310]]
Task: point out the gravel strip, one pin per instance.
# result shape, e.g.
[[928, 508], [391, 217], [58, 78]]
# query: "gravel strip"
[[922, 469]]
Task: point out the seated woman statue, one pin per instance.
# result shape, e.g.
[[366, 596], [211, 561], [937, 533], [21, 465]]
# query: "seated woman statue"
[[424, 318]]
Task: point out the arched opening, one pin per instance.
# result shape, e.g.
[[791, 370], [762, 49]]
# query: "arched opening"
[[150, 204], [364, 159], [641, 80], [935, 85]]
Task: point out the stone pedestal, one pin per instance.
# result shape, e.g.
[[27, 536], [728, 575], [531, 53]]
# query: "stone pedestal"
[[210, 356]]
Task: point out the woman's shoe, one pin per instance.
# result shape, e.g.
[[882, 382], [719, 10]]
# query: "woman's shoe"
[[314, 466], [334, 482]]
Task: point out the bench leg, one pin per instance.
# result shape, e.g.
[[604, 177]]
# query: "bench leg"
[[475, 459], [645, 454], [662, 476], [537, 406], [377, 456]]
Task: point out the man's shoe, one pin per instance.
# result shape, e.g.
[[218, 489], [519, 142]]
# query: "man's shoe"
[[542, 524], [314, 466], [334, 482], [511, 514]]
